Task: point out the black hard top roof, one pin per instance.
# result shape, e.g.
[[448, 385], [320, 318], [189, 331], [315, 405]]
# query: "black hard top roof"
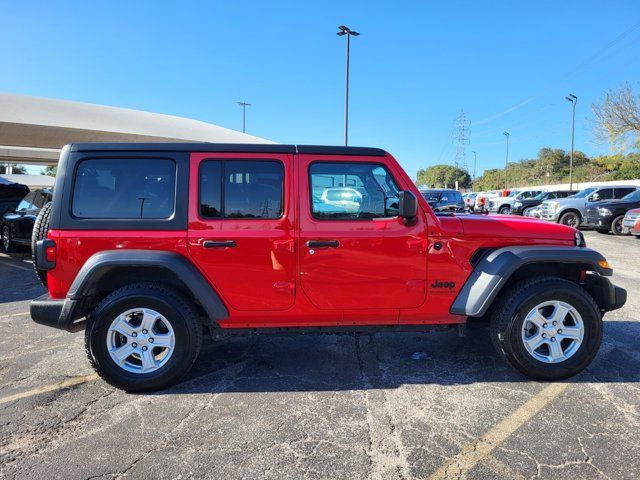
[[227, 147]]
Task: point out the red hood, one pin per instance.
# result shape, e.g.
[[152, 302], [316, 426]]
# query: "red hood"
[[515, 227]]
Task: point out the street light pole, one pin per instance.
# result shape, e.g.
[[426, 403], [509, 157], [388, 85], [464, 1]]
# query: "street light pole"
[[244, 106], [506, 162], [348, 32], [573, 99]]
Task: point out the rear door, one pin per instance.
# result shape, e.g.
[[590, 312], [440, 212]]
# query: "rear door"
[[355, 253], [241, 227]]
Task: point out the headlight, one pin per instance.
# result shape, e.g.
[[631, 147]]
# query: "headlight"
[[605, 212]]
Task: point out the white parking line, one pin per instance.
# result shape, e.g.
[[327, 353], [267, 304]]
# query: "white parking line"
[[20, 267], [11, 315], [72, 382], [477, 451]]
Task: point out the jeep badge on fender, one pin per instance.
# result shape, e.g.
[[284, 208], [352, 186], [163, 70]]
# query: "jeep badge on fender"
[[147, 246]]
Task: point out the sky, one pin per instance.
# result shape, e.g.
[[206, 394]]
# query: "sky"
[[416, 65]]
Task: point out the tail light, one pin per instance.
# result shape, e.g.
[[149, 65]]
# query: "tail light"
[[46, 254]]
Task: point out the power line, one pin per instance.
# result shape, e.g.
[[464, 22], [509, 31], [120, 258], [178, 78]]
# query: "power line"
[[571, 72]]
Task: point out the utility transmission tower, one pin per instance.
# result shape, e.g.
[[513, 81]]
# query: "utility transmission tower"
[[462, 125]]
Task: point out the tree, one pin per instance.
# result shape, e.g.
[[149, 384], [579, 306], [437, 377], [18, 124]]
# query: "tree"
[[618, 118], [441, 176], [50, 170], [16, 169]]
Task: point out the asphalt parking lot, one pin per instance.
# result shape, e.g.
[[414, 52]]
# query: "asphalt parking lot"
[[389, 406]]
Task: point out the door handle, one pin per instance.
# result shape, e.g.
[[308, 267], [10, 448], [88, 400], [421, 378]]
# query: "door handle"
[[323, 243], [219, 244]]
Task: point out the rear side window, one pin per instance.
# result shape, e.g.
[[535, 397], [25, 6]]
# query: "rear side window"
[[623, 192], [124, 188], [241, 189]]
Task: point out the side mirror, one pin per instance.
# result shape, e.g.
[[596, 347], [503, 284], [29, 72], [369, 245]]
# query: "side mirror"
[[408, 205]]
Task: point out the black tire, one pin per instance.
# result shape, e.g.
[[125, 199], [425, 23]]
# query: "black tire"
[[504, 210], [7, 242], [40, 230], [525, 212], [616, 226], [508, 315], [571, 219], [177, 309]]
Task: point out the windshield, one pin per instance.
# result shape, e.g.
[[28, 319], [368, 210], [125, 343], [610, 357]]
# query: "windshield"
[[584, 193], [632, 197]]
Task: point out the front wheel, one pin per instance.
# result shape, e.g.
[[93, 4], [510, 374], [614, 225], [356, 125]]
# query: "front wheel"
[[143, 337], [547, 328], [506, 210], [616, 226], [7, 239], [571, 219]]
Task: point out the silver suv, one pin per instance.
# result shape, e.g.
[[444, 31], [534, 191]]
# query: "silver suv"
[[503, 205], [572, 210]]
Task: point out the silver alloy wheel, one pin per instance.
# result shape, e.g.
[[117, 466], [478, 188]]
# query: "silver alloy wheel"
[[6, 238], [140, 340], [552, 332]]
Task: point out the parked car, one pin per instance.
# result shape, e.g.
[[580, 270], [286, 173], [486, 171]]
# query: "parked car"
[[443, 199], [149, 244], [571, 211], [608, 215], [502, 205], [10, 195], [469, 200], [631, 222], [16, 226], [482, 199], [523, 206]]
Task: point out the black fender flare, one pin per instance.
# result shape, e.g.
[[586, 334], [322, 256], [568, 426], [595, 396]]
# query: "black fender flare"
[[64, 312], [493, 271], [103, 263]]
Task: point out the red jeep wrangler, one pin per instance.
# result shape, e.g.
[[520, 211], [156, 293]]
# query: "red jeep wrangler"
[[146, 245]]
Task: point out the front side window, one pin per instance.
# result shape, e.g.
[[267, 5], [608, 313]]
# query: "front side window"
[[352, 191], [241, 189], [124, 188]]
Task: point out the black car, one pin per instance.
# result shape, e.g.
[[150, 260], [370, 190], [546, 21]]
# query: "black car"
[[607, 215], [519, 207], [16, 225], [444, 199]]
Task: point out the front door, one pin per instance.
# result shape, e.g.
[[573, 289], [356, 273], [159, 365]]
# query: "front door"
[[241, 227], [355, 253]]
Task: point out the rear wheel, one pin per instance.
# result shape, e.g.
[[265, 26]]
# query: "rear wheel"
[[40, 230], [571, 219], [143, 337], [7, 240], [616, 226], [547, 328]]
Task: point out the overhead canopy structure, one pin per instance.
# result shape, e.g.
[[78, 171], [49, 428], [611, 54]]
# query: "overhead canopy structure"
[[33, 130]]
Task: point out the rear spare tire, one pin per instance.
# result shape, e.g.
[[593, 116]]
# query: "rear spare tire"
[[547, 328], [40, 230]]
